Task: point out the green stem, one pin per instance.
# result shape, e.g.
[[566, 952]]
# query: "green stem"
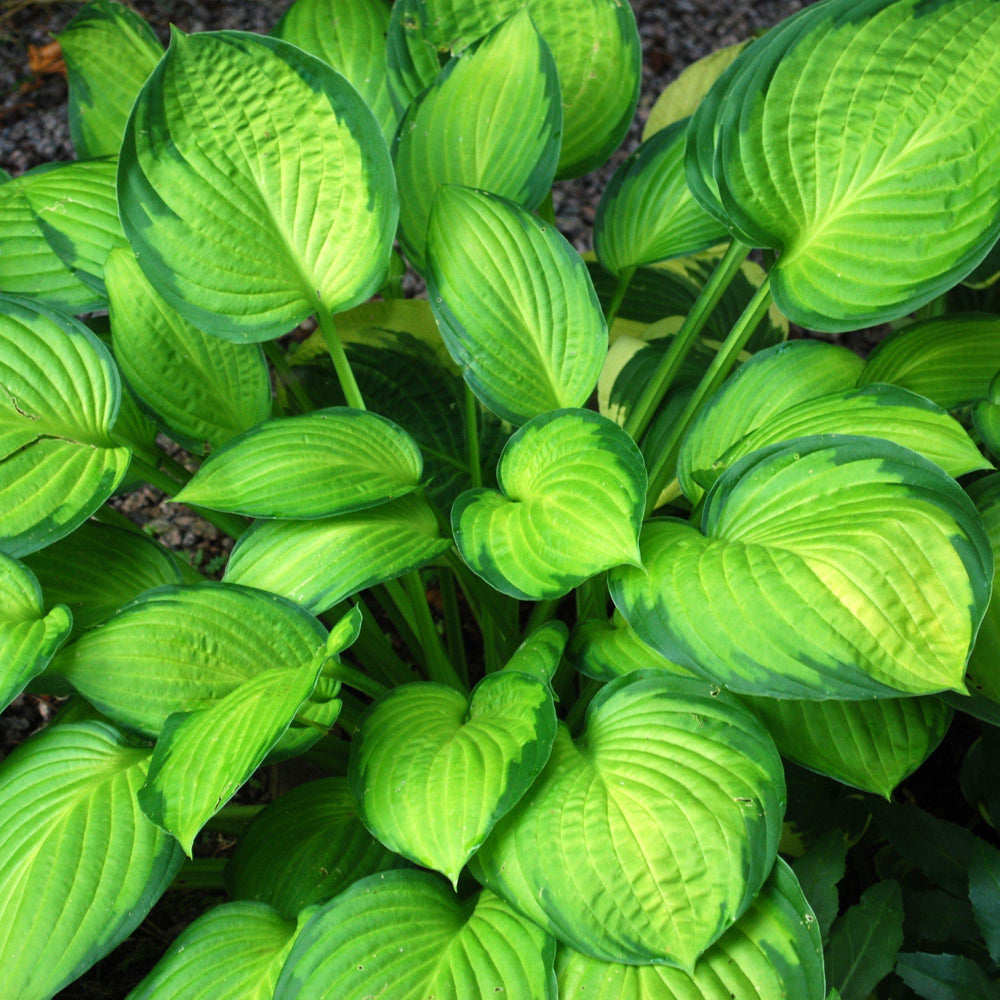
[[664, 467], [472, 436], [286, 377], [670, 364], [401, 601], [356, 679], [575, 716], [592, 599], [200, 873], [453, 623], [396, 605], [624, 280], [542, 612], [374, 651], [232, 818], [178, 471], [339, 357], [439, 667], [491, 652]]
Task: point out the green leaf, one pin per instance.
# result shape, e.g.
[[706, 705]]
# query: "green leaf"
[[864, 942], [350, 36], [606, 650], [318, 563], [328, 462], [812, 517], [305, 848], [984, 892], [233, 952], [28, 636], [80, 865], [647, 212], [423, 751], [109, 52], [201, 390], [59, 394], [983, 678], [515, 305], [98, 569], [871, 745], [203, 757], [492, 119], [945, 977], [773, 950], [818, 872], [181, 648], [301, 218], [910, 179], [986, 417], [645, 840], [407, 929], [566, 476], [540, 654], [950, 360]]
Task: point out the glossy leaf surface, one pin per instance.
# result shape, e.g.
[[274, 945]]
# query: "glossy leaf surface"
[[565, 477]]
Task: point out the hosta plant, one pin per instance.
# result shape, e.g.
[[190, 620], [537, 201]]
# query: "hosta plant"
[[585, 622]]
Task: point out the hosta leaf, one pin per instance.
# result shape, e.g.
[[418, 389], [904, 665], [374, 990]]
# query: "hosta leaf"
[[202, 390], [433, 771], [203, 757], [773, 950], [350, 36], [647, 212], [648, 838], [606, 650], [599, 81], [950, 360], [986, 417], [109, 52], [304, 848], [904, 114], [28, 636], [872, 745], [406, 932], [80, 865], [540, 654], [318, 563], [566, 477], [874, 564], [59, 394], [984, 677], [99, 568], [300, 217], [233, 952], [180, 648], [515, 305], [491, 120], [328, 462]]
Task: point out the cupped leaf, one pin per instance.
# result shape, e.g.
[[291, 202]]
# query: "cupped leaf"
[[305, 848], [515, 305], [109, 52], [910, 180], [331, 461], [606, 650], [233, 952], [59, 395], [491, 120], [825, 567], [773, 950], [247, 216], [950, 359], [80, 865], [202, 390], [181, 648], [573, 487], [406, 931], [871, 745], [318, 563], [647, 212], [350, 36], [433, 771], [28, 636], [540, 654], [983, 675], [645, 840]]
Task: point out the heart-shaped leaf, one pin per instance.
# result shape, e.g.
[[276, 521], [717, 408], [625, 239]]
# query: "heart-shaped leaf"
[[515, 305], [28, 636], [825, 567], [406, 931], [773, 950], [200, 389], [59, 394], [305, 848], [328, 462], [301, 218], [80, 865], [573, 488], [318, 563], [433, 771], [644, 841], [491, 120]]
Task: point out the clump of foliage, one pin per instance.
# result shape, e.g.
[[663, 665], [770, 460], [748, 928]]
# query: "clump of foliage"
[[702, 598]]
